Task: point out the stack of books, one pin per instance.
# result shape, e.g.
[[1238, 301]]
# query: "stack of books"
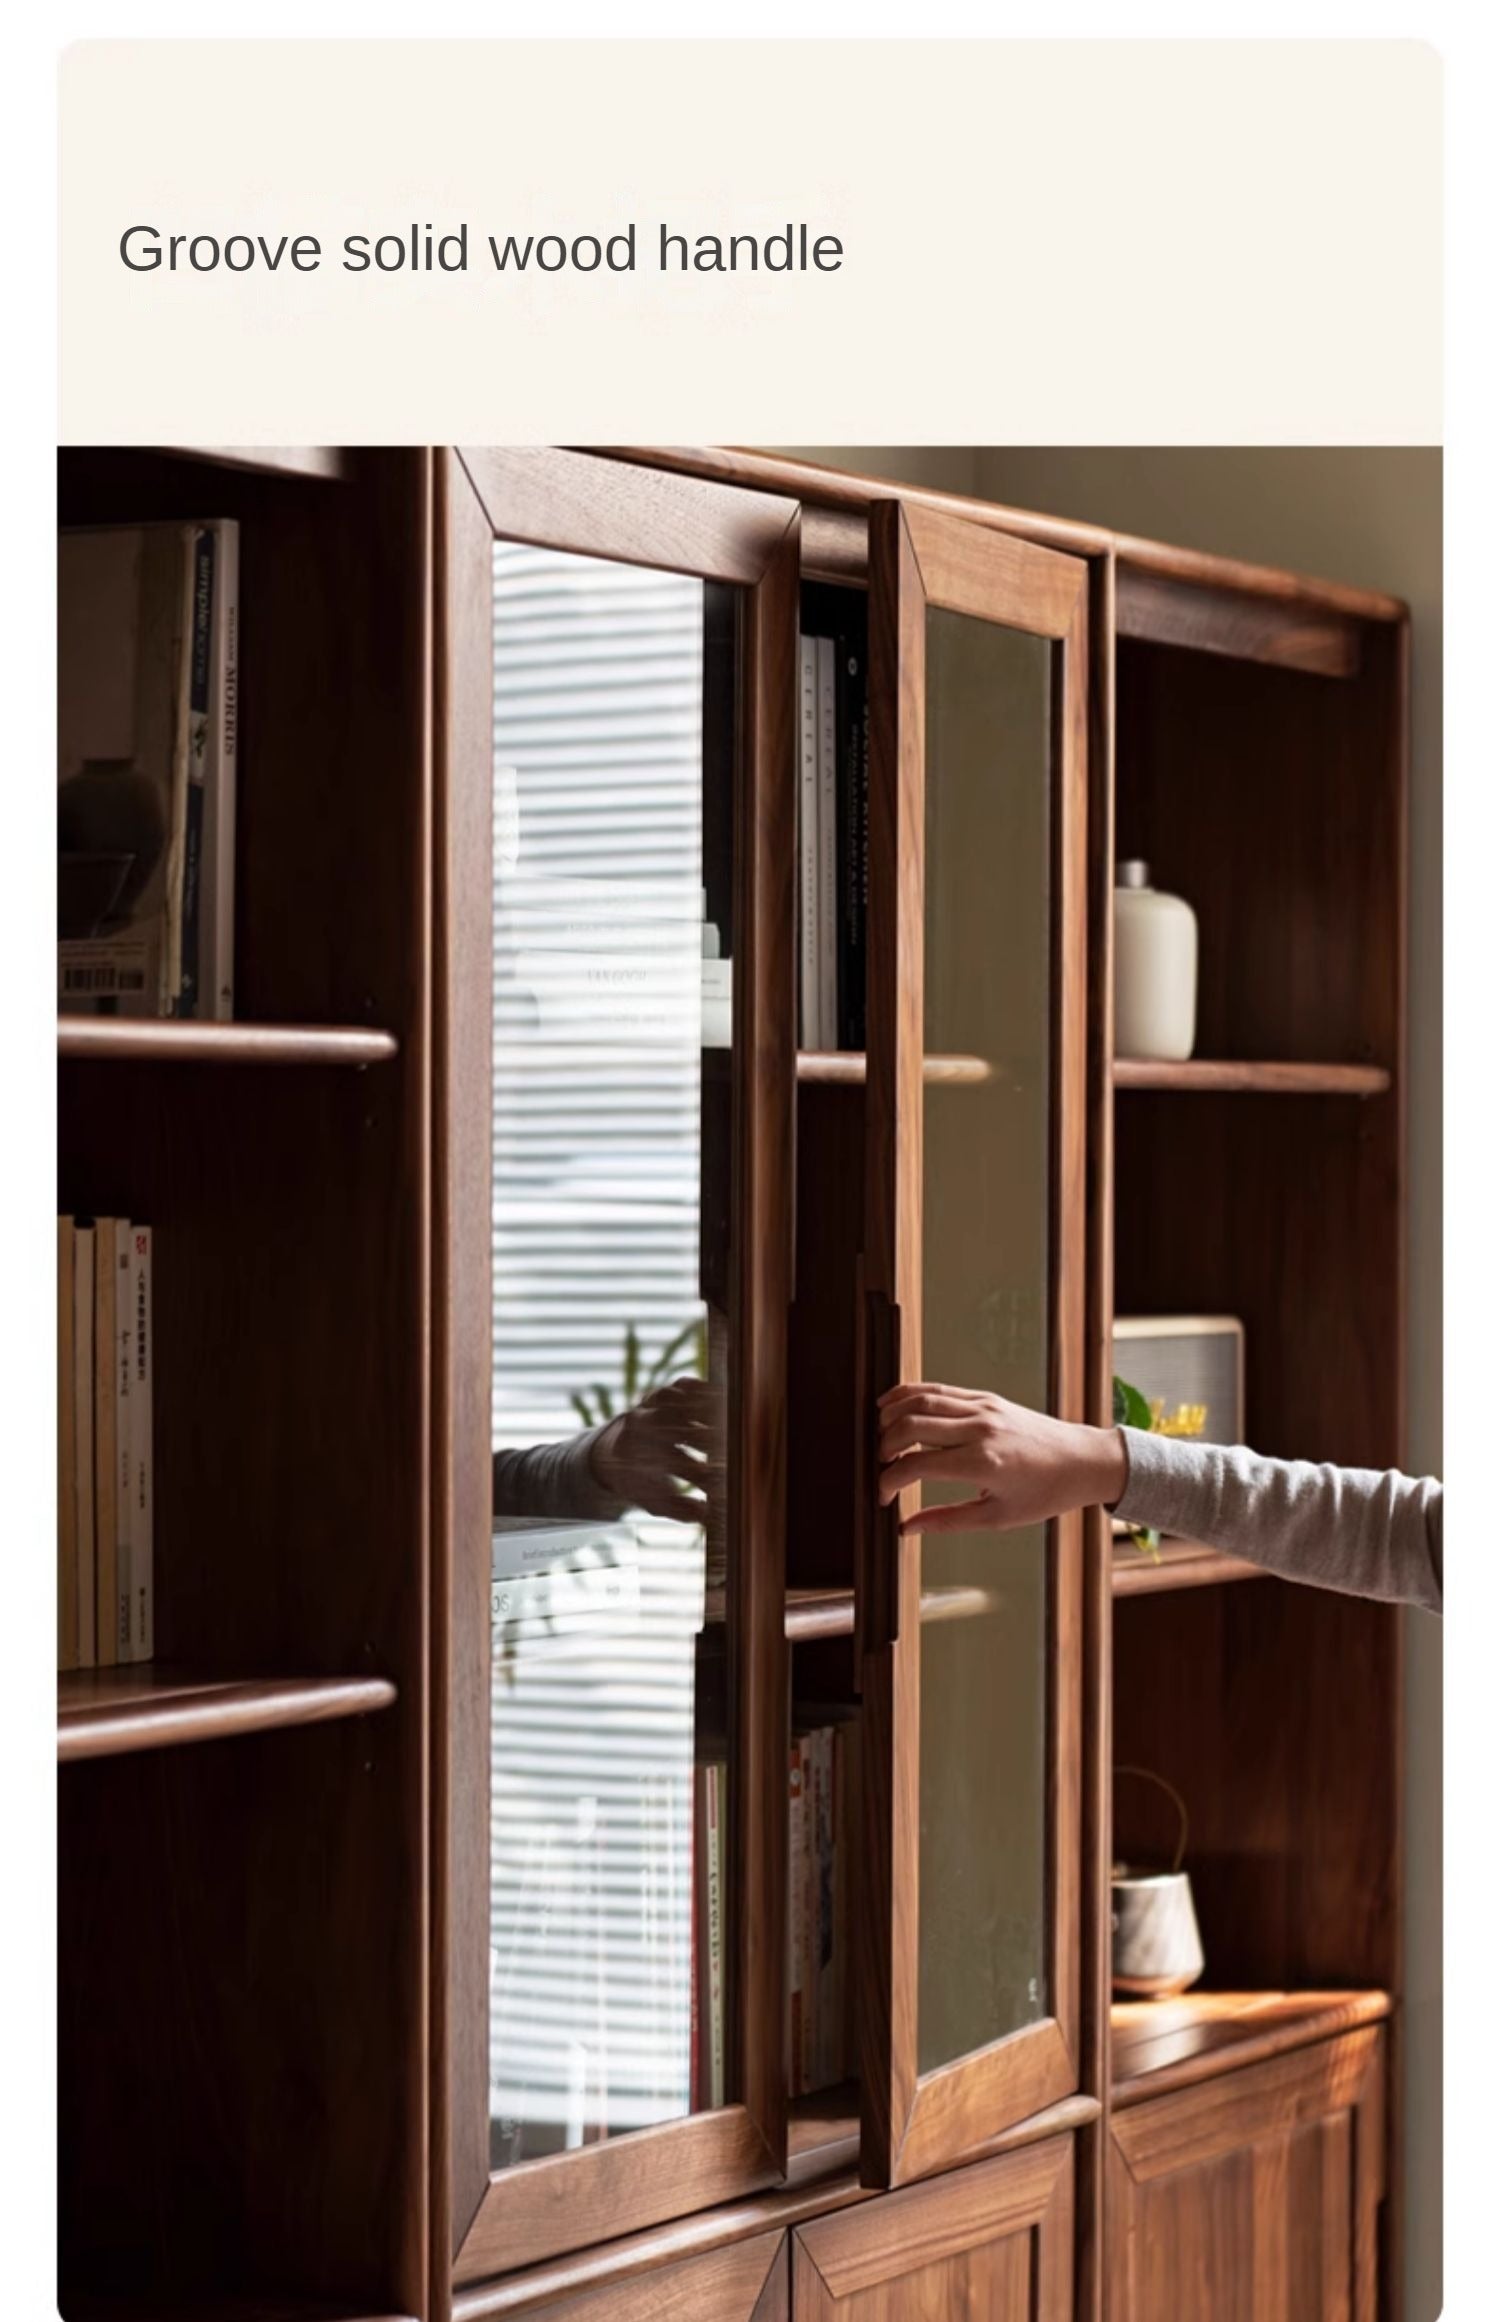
[[147, 729], [833, 841], [104, 1588]]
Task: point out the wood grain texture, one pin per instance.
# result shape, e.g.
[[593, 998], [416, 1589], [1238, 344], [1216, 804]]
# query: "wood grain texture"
[[993, 2239], [835, 488], [1263, 1079], [1193, 568], [1255, 2196], [461, 1276], [886, 1943], [1270, 800], [993, 577], [599, 507], [838, 489], [822, 2183], [739, 2281], [101, 1713], [1160, 2045], [587, 506], [761, 1233], [241, 2100], [1267, 1708], [1286, 631]]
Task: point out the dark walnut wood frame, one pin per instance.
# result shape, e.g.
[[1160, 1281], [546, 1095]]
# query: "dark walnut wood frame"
[[566, 501], [920, 559], [272, 2102]]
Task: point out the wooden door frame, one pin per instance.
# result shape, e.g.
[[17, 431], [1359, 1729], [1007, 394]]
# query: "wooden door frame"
[[913, 2124], [488, 2223]]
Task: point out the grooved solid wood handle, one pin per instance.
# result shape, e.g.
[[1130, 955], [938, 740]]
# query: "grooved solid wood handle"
[[877, 1607]]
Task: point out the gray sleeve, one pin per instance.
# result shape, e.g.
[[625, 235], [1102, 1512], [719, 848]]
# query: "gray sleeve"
[[1347, 1528], [553, 1479]]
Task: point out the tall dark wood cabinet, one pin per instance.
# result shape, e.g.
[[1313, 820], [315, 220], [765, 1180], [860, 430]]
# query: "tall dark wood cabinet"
[[393, 1978]]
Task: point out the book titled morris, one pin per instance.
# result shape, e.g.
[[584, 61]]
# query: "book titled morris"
[[147, 728]]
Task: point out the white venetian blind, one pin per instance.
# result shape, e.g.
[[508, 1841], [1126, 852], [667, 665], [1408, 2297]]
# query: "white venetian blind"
[[598, 672]]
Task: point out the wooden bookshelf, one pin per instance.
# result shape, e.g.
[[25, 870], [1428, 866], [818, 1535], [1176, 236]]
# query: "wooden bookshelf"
[[103, 1713], [1206, 1075], [140, 1040], [274, 2105]]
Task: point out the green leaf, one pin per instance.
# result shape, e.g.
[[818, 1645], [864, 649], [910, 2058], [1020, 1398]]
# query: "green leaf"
[[632, 1379], [1131, 1408], [666, 1361], [1148, 1541]]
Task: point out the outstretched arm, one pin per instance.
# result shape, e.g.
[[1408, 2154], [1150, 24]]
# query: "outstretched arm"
[[1352, 1529]]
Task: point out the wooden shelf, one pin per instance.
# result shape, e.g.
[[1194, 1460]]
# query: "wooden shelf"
[[324, 463], [104, 1713], [1207, 1075], [1177, 1564], [845, 1068], [151, 1040], [829, 1612], [822, 2133], [1159, 2045]]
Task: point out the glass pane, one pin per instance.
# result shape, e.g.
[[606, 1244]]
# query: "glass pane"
[[983, 1914], [613, 775]]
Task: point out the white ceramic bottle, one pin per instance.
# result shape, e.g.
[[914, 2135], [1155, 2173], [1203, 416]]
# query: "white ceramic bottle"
[[1156, 969]]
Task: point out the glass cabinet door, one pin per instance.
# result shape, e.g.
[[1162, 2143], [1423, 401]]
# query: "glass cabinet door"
[[617, 1091], [974, 1278]]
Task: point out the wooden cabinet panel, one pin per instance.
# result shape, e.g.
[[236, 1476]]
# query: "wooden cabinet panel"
[[994, 2241], [744, 2282], [1253, 2197]]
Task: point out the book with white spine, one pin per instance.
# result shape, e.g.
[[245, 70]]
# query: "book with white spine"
[[83, 1435]]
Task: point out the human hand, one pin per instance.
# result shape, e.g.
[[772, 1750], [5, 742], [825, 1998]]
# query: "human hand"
[[1023, 1466], [664, 1454]]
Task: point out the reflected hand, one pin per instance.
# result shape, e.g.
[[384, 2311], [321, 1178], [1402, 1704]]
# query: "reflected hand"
[[1022, 1466], [664, 1454]]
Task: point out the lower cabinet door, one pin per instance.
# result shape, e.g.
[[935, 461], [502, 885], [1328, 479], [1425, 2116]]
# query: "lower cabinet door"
[[744, 2282], [1255, 2196], [990, 2243]]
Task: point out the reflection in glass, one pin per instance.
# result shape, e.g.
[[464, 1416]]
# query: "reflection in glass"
[[611, 821], [983, 1917]]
